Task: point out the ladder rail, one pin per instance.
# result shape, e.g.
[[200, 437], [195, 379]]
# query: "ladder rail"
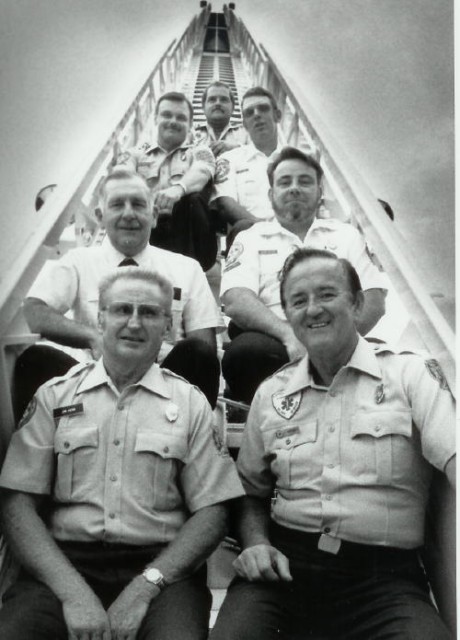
[[351, 190]]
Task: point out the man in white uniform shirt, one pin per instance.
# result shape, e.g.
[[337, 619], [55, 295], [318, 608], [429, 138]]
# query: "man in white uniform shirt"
[[262, 340], [71, 283]]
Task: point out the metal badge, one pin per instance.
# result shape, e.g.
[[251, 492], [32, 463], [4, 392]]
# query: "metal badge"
[[172, 412], [286, 406]]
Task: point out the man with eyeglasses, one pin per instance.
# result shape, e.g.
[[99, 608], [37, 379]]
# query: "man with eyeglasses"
[[115, 490], [71, 284]]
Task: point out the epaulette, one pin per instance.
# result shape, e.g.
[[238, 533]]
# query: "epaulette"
[[172, 374], [73, 372], [388, 348], [284, 367]]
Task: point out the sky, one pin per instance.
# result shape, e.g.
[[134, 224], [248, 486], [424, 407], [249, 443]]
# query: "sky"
[[380, 73]]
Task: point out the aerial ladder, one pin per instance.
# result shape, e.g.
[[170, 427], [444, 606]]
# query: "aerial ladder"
[[218, 46]]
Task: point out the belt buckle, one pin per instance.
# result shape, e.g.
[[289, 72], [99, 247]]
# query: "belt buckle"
[[329, 544]]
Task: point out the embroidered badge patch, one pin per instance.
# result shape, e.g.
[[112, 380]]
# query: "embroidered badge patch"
[[286, 406], [379, 394], [235, 252], [205, 155], [435, 371], [219, 442], [28, 413], [222, 170]]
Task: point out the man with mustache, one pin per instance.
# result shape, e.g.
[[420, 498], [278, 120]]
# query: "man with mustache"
[[177, 172], [262, 339], [218, 133], [114, 488], [71, 283]]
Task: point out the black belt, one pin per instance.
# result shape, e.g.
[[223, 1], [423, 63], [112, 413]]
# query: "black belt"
[[354, 552]]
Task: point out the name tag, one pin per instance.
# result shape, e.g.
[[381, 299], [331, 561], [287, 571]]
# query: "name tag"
[[284, 433], [70, 410], [177, 293], [242, 170], [268, 252]]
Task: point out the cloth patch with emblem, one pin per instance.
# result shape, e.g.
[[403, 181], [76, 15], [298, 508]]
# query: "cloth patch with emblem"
[[204, 155], [286, 406], [234, 254], [124, 158], [28, 413], [219, 442], [222, 170], [435, 371]]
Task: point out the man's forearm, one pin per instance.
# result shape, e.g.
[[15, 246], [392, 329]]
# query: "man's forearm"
[[195, 542], [196, 178], [249, 313], [231, 211], [253, 521], [52, 325], [34, 547]]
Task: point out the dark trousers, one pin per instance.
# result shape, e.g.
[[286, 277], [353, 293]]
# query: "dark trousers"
[[188, 230], [191, 358], [249, 359], [362, 593], [32, 612]]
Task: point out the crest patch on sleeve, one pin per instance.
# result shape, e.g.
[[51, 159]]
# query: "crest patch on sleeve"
[[222, 170], [233, 255], [286, 406], [28, 413], [219, 442], [435, 371], [205, 155]]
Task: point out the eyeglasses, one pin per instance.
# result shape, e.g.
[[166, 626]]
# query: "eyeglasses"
[[147, 313], [261, 108]]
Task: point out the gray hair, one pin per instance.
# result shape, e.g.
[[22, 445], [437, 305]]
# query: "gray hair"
[[135, 273]]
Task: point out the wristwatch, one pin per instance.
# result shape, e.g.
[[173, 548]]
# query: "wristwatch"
[[155, 577]]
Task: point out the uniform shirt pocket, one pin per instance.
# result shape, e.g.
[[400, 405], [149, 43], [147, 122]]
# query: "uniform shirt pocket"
[[76, 451], [292, 450], [156, 472], [382, 445]]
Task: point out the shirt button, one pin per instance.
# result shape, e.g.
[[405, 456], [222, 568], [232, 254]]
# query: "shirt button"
[[332, 394], [66, 445], [332, 429], [279, 434], [377, 428], [111, 516], [121, 407], [288, 441], [113, 478], [328, 497], [116, 442], [330, 466], [166, 450], [327, 529]]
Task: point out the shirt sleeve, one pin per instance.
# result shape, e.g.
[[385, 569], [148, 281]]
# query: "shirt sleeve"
[[433, 409], [209, 475], [200, 310], [358, 255], [57, 283], [203, 158], [252, 464], [128, 159], [225, 178], [30, 461], [242, 267]]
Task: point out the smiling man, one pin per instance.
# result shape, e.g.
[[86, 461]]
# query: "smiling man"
[[336, 461], [71, 283], [218, 133], [177, 172], [135, 487], [262, 339]]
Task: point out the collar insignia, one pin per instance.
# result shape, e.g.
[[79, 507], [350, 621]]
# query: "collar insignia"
[[286, 406]]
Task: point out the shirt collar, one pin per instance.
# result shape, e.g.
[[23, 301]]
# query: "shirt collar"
[[115, 257], [252, 150], [154, 146], [363, 359], [153, 380]]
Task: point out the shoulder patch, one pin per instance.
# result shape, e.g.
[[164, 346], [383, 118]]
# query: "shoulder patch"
[[219, 443], [222, 170], [435, 371], [28, 413], [124, 158], [235, 252], [204, 155]]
